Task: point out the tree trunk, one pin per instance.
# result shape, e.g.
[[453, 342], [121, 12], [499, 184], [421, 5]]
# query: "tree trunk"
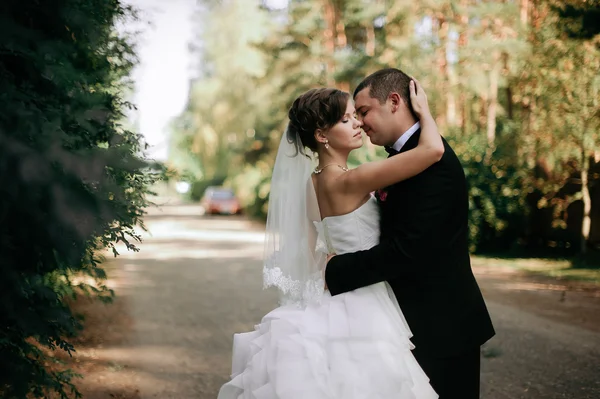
[[392, 32], [329, 37], [335, 38], [370, 44], [506, 71], [451, 104], [534, 17], [340, 31], [442, 61], [341, 39], [587, 207], [533, 130], [452, 84], [587, 201], [493, 102], [463, 39], [483, 109], [464, 111], [524, 11], [509, 104], [451, 81]]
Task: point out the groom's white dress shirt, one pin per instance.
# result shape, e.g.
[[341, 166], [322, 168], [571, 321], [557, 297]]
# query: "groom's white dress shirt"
[[407, 135]]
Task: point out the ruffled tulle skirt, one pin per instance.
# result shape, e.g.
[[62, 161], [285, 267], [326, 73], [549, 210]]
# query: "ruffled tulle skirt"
[[352, 346]]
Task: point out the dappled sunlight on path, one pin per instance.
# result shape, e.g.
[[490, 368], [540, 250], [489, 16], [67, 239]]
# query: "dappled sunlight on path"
[[196, 281]]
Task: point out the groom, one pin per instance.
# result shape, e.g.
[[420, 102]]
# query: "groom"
[[423, 253]]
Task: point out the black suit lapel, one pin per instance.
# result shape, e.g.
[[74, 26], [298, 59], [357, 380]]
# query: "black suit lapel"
[[412, 142], [382, 194]]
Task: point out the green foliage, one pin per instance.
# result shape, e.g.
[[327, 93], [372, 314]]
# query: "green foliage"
[[73, 180], [581, 18], [224, 107], [497, 193], [515, 89]]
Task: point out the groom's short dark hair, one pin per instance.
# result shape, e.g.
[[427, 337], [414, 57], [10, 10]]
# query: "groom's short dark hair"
[[384, 82]]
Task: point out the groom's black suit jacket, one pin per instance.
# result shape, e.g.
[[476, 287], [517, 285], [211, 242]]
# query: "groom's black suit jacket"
[[423, 254]]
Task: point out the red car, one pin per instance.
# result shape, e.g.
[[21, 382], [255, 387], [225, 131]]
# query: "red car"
[[220, 200]]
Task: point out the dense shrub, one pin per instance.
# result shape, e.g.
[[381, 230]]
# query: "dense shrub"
[[72, 179], [498, 210]]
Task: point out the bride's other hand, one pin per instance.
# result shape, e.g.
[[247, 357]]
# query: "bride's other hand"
[[418, 99]]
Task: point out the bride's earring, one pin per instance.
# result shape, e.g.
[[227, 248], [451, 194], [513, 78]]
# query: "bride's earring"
[[326, 145]]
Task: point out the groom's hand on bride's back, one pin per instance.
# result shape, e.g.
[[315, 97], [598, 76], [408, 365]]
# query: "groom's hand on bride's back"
[[329, 256]]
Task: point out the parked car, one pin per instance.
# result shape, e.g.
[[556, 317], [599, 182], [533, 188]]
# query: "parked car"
[[220, 200]]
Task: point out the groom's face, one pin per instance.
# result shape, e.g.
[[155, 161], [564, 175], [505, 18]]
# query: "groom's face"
[[377, 118]]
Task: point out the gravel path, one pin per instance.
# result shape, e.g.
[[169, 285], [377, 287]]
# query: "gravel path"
[[197, 280], [535, 357]]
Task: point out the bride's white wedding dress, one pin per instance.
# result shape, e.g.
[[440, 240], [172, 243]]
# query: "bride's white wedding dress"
[[351, 346]]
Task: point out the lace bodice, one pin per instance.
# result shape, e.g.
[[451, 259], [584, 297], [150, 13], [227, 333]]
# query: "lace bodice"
[[354, 231]]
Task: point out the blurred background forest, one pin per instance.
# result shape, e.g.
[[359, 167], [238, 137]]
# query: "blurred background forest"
[[514, 85]]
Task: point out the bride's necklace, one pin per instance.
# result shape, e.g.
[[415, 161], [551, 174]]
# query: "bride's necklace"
[[319, 170]]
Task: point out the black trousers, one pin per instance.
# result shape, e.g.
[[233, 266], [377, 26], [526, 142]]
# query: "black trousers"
[[455, 377]]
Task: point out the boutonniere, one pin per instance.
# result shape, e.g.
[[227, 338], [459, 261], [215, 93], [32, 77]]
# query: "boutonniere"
[[381, 195]]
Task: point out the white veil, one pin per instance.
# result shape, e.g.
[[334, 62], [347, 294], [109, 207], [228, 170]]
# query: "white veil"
[[291, 262]]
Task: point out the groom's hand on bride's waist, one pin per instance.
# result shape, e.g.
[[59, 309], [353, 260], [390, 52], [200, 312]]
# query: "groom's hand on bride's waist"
[[329, 256]]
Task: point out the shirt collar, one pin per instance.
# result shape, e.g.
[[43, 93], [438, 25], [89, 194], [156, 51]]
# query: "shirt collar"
[[407, 135]]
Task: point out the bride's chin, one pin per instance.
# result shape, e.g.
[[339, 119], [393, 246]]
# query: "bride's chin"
[[355, 146]]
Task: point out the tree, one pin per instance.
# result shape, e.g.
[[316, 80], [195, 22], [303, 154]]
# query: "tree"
[[73, 179], [221, 112], [495, 72], [563, 83]]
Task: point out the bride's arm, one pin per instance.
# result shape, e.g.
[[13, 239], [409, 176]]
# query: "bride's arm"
[[374, 175]]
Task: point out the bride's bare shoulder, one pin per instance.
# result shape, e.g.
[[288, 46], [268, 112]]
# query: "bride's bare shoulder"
[[332, 197]]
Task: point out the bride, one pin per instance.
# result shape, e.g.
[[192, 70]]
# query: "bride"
[[354, 345]]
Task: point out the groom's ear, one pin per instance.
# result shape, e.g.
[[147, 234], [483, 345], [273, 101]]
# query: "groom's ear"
[[395, 101]]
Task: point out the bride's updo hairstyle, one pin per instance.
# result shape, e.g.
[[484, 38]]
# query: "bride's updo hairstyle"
[[316, 109]]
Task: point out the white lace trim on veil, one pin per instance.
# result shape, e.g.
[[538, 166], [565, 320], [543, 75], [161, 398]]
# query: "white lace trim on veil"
[[292, 263]]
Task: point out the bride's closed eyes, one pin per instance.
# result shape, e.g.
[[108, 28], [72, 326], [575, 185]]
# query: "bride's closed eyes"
[[346, 117]]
